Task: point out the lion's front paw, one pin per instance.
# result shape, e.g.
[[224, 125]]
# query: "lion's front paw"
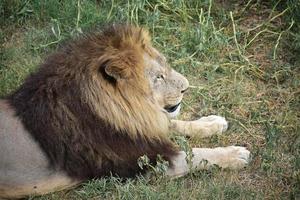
[[214, 120], [211, 125], [234, 157]]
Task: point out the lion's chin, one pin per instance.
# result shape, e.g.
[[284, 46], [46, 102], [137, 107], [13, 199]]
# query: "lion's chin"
[[173, 111]]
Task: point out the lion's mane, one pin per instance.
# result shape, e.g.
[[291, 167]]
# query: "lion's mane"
[[89, 123]]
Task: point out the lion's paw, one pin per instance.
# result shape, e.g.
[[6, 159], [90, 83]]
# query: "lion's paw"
[[214, 124], [234, 157]]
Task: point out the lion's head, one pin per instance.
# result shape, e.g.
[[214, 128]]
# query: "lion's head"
[[102, 92], [139, 90]]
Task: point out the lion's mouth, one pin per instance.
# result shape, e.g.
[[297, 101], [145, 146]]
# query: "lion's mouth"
[[171, 109]]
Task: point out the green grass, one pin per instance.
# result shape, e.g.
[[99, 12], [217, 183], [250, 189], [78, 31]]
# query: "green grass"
[[242, 61]]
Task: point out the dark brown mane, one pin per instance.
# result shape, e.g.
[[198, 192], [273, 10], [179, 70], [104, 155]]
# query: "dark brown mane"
[[72, 107]]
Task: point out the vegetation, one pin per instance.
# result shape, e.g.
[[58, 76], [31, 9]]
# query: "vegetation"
[[242, 61]]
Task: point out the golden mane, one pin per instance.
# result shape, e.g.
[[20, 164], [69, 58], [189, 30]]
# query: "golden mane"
[[121, 103]]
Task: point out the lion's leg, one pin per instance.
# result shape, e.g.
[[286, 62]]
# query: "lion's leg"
[[203, 127], [233, 157], [47, 184]]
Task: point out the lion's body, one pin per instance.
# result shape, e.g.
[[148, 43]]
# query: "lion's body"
[[72, 117], [92, 109]]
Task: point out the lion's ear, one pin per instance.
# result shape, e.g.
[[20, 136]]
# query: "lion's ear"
[[116, 72]]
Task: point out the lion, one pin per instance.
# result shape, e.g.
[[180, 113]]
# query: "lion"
[[92, 109]]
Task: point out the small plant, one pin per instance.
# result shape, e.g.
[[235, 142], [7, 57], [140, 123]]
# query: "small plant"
[[185, 146], [159, 169]]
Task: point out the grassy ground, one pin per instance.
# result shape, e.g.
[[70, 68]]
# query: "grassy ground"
[[242, 60]]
